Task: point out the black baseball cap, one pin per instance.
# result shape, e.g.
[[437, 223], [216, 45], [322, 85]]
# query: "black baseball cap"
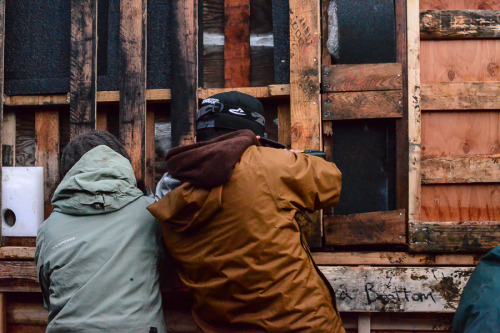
[[234, 111]]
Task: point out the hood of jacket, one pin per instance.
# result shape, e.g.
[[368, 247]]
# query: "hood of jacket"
[[102, 181], [201, 168]]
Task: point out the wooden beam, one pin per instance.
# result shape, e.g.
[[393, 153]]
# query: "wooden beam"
[[17, 253], [461, 169], [18, 276], [284, 124], [362, 105], [459, 24], [454, 236], [461, 96], [305, 65], [37, 100], [133, 15], [414, 111], [185, 71], [47, 153], [397, 289], [150, 151], [237, 43], [366, 228], [3, 313], [9, 139], [394, 259], [271, 91], [338, 78], [83, 67]]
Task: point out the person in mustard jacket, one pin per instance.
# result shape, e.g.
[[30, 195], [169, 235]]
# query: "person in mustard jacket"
[[228, 219]]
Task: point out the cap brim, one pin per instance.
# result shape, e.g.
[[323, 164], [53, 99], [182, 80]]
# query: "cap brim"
[[271, 143]]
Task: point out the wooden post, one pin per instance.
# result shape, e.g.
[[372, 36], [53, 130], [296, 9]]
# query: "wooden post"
[[2, 44], [184, 103], [83, 66], [150, 150], [9, 139], [47, 153], [237, 43], [133, 15], [414, 127], [3, 313], [284, 126]]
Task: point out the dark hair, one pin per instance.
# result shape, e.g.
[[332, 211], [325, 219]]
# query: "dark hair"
[[86, 142], [208, 134]]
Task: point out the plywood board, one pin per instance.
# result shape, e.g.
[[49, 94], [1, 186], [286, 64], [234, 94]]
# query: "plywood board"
[[397, 289], [460, 96], [460, 4], [461, 202]]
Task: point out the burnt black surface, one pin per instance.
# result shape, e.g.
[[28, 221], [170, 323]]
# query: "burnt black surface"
[[38, 39], [281, 33], [364, 151], [367, 31]]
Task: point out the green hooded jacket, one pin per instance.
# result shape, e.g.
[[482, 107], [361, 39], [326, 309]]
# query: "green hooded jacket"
[[98, 254]]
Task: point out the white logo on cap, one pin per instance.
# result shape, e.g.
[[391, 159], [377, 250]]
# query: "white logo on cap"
[[210, 101], [238, 111]]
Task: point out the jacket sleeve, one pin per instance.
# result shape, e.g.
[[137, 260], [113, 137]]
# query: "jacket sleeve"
[[300, 181], [40, 269]]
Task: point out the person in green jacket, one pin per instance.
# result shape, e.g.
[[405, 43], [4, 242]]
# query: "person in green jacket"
[[99, 252], [479, 308]]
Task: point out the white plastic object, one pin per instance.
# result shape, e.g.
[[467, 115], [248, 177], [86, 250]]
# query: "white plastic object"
[[22, 200]]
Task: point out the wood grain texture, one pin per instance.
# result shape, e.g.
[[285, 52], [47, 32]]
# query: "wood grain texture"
[[397, 289], [9, 139], [362, 105], [460, 133], [150, 151], [101, 121], [18, 276], [461, 96], [2, 77], [237, 43], [460, 4], [394, 259], [336, 78], [184, 103], [284, 124], [27, 314], [271, 91], [305, 58], [83, 66], [459, 24], [461, 202], [366, 228], [17, 253], [133, 15], [461, 169], [47, 138], [454, 236]]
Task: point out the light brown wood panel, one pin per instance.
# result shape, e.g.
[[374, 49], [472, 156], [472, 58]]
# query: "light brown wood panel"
[[237, 43], [460, 4], [461, 202], [460, 60], [17, 253], [459, 133], [460, 96]]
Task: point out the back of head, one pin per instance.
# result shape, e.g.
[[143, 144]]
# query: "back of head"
[[83, 143]]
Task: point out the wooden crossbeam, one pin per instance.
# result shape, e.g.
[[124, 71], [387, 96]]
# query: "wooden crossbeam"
[[362, 105], [460, 96], [337, 78], [366, 228], [459, 24], [133, 15], [83, 66], [237, 43], [454, 236], [460, 169], [18, 276]]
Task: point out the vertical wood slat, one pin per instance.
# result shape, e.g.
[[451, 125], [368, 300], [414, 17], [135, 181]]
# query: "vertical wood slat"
[[150, 150], [184, 103], [2, 43], [83, 66], [9, 139], [414, 124], [3, 313], [284, 136], [133, 15], [47, 152], [237, 43]]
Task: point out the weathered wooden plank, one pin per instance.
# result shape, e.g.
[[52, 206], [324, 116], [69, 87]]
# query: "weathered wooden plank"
[[461, 96], [414, 109], [362, 105], [9, 139], [454, 236], [47, 153], [271, 91], [237, 43], [284, 124], [305, 58], [394, 259], [18, 276], [337, 78], [3, 313], [366, 228], [2, 50], [150, 150], [133, 82], [17, 253], [459, 24], [460, 4], [461, 169], [27, 314], [184, 103], [397, 289], [83, 66]]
